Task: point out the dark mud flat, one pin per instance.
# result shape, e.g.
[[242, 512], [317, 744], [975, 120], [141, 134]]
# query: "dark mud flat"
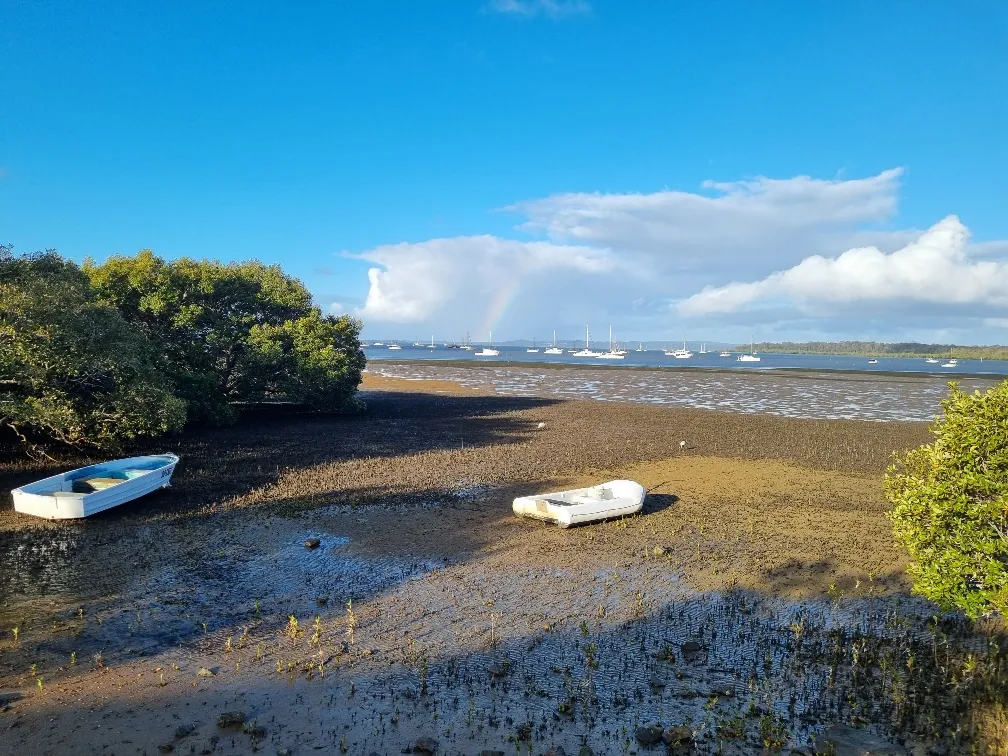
[[756, 601]]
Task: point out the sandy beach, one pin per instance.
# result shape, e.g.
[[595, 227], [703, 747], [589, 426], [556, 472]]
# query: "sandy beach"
[[198, 621]]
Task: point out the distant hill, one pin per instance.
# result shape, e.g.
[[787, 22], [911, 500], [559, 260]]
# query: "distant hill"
[[881, 349]]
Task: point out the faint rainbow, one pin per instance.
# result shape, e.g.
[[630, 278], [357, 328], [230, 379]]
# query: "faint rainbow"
[[498, 305]]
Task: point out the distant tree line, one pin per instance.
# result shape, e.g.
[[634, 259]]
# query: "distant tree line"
[[99, 355], [881, 349]]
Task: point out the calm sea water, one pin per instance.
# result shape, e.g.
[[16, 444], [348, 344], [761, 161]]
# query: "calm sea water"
[[711, 360], [790, 385]]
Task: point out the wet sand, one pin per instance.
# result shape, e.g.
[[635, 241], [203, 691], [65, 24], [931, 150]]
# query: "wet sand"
[[468, 625]]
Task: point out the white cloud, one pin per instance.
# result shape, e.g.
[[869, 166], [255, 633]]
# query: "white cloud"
[[337, 308], [936, 268], [765, 252], [418, 282], [746, 223], [552, 8]]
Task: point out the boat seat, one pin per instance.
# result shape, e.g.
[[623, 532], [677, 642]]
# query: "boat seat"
[[89, 485]]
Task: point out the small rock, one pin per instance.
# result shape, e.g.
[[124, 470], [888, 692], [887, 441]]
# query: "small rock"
[[210, 745], [312, 543], [665, 654], [424, 745], [204, 672], [499, 668], [556, 751], [253, 730], [677, 735], [486, 752], [284, 752], [656, 684], [231, 719], [586, 751], [690, 650], [183, 730], [660, 551], [166, 748], [648, 736], [322, 600]]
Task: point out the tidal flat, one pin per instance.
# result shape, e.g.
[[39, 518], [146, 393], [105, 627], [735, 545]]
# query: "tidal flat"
[[359, 585]]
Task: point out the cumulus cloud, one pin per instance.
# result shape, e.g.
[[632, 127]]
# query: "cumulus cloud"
[[417, 282], [936, 268], [719, 260], [552, 8], [746, 223]]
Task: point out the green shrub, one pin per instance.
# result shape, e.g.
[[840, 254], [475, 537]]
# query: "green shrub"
[[950, 502], [72, 370], [235, 333]]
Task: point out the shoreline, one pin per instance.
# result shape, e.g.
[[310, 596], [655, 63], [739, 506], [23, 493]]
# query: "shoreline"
[[823, 373]]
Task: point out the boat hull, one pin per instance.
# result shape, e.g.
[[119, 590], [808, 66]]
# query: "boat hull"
[[617, 498], [54, 498]]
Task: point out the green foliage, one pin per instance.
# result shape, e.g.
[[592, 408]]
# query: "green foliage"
[[950, 502], [233, 333], [72, 370]]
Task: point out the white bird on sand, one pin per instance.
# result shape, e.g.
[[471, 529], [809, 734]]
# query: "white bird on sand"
[[682, 446], [540, 426]]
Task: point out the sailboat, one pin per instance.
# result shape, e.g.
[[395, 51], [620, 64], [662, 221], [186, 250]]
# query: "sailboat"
[[554, 349], [640, 347], [432, 342], [953, 362], [751, 357], [703, 348], [534, 349], [417, 343], [394, 345], [612, 354], [488, 351], [587, 351], [681, 354], [467, 346], [725, 353]]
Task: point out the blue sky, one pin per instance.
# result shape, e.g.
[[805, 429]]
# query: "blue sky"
[[531, 164]]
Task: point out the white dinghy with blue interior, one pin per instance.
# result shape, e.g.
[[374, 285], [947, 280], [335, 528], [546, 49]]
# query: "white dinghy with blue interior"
[[88, 490], [617, 498]]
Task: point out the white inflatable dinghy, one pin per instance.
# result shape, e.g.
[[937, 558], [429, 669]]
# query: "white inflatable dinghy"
[[95, 488], [616, 498]]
